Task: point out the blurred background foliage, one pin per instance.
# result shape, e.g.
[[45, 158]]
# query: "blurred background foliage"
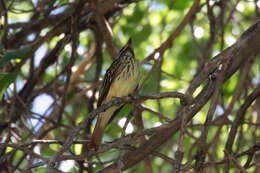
[[149, 24]]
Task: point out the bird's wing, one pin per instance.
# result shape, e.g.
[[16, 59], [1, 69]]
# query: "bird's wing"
[[110, 75], [113, 71]]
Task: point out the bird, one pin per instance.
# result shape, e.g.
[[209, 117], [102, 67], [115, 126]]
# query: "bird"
[[121, 79]]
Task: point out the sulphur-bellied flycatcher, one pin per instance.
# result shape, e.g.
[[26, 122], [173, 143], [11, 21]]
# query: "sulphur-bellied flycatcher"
[[121, 79]]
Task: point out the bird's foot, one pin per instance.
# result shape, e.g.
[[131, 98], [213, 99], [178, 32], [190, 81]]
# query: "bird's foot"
[[116, 98], [133, 96]]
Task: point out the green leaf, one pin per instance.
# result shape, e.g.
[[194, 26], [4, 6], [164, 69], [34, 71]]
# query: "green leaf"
[[180, 4], [40, 170], [151, 84], [5, 80], [14, 54], [125, 110], [143, 34], [17, 156], [48, 152], [139, 14], [78, 148], [1, 48], [54, 146]]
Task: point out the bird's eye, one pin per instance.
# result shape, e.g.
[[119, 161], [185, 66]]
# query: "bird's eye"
[[128, 53]]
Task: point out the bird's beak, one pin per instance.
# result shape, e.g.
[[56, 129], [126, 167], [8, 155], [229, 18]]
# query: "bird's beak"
[[129, 41], [127, 47]]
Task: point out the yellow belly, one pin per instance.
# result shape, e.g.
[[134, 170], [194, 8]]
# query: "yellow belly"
[[119, 88]]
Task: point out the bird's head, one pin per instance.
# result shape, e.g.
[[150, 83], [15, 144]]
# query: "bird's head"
[[127, 50]]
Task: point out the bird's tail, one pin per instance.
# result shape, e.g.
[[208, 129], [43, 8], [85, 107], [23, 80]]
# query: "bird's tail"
[[99, 129], [97, 135]]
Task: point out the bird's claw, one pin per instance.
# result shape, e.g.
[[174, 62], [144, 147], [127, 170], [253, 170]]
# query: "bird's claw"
[[133, 96]]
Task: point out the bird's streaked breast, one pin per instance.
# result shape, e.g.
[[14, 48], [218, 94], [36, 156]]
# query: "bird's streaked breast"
[[126, 81]]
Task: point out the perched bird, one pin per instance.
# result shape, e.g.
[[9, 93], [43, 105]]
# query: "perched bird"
[[121, 79]]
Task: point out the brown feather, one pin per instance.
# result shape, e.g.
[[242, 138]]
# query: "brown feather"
[[97, 135], [108, 79]]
